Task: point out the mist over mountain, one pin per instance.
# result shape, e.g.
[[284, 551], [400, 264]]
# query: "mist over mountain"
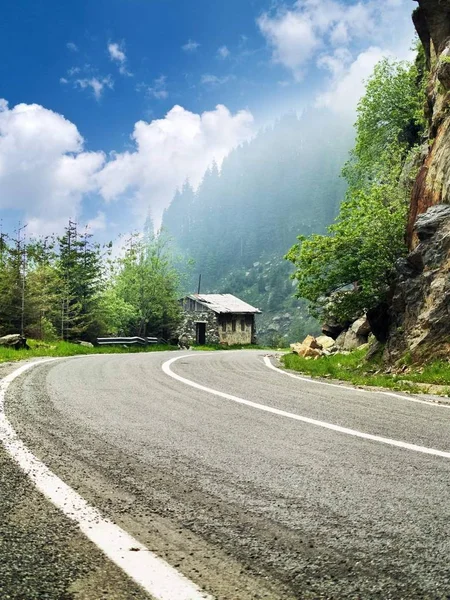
[[239, 223]]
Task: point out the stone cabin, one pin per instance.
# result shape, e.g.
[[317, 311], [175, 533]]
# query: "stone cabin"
[[218, 319]]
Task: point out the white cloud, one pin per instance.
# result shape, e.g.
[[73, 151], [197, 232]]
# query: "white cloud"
[[98, 223], [345, 39], [117, 55], [223, 52], [348, 86], [63, 80], [97, 85], [73, 71], [157, 90], [214, 80], [295, 34], [190, 46], [44, 170], [169, 150], [71, 46], [292, 38]]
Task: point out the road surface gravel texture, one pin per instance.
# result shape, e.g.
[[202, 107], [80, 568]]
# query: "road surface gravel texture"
[[247, 504]]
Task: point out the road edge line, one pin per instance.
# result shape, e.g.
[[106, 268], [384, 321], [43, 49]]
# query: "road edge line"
[[276, 411], [150, 572]]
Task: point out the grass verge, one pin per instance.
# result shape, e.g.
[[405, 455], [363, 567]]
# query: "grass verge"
[[432, 378], [56, 349]]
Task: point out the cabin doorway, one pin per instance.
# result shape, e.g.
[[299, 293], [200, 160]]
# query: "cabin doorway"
[[201, 334]]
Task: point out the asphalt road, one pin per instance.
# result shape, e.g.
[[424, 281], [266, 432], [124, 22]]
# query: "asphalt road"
[[245, 503]]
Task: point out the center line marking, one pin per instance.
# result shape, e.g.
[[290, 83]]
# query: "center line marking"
[[154, 575], [282, 413]]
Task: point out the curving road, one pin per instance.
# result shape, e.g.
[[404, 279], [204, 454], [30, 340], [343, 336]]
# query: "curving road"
[[247, 503]]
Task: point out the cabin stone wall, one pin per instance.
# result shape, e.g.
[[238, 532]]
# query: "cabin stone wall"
[[243, 331], [188, 326]]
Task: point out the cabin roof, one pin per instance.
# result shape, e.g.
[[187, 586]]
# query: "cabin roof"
[[224, 303]]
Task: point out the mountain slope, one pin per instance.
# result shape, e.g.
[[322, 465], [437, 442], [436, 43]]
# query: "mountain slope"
[[242, 219]]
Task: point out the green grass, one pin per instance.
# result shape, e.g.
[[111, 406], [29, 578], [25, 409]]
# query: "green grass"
[[55, 349], [354, 368]]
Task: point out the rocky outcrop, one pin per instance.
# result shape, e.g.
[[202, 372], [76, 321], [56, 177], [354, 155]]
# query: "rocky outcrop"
[[419, 313], [432, 186], [14, 340]]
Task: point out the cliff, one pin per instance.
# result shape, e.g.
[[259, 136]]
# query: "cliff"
[[432, 186], [418, 311]]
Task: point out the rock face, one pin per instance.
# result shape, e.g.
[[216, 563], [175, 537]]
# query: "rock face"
[[417, 316], [14, 340], [349, 340], [432, 186], [419, 313]]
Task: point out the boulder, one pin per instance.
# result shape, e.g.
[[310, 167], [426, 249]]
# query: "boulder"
[[361, 327], [184, 342], [325, 342], [310, 342], [14, 340], [349, 340], [305, 351]]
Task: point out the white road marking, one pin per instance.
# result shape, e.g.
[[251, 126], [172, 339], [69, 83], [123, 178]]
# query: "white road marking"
[[282, 413], [269, 364], [153, 574]]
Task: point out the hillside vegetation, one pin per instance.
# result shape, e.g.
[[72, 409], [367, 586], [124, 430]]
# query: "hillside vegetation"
[[349, 270], [236, 228]]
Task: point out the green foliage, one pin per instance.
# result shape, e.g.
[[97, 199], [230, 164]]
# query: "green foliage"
[[142, 299], [390, 121], [80, 272], [70, 288], [349, 270]]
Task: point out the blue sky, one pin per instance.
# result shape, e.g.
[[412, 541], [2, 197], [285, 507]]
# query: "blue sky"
[[109, 105]]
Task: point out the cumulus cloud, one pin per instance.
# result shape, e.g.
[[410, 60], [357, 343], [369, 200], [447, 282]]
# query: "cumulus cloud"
[[342, 38], [46, 173], [117, 55], [190, 46], [71, 46], [292, 39], [44, 170], [96, 84], [169, 150]]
